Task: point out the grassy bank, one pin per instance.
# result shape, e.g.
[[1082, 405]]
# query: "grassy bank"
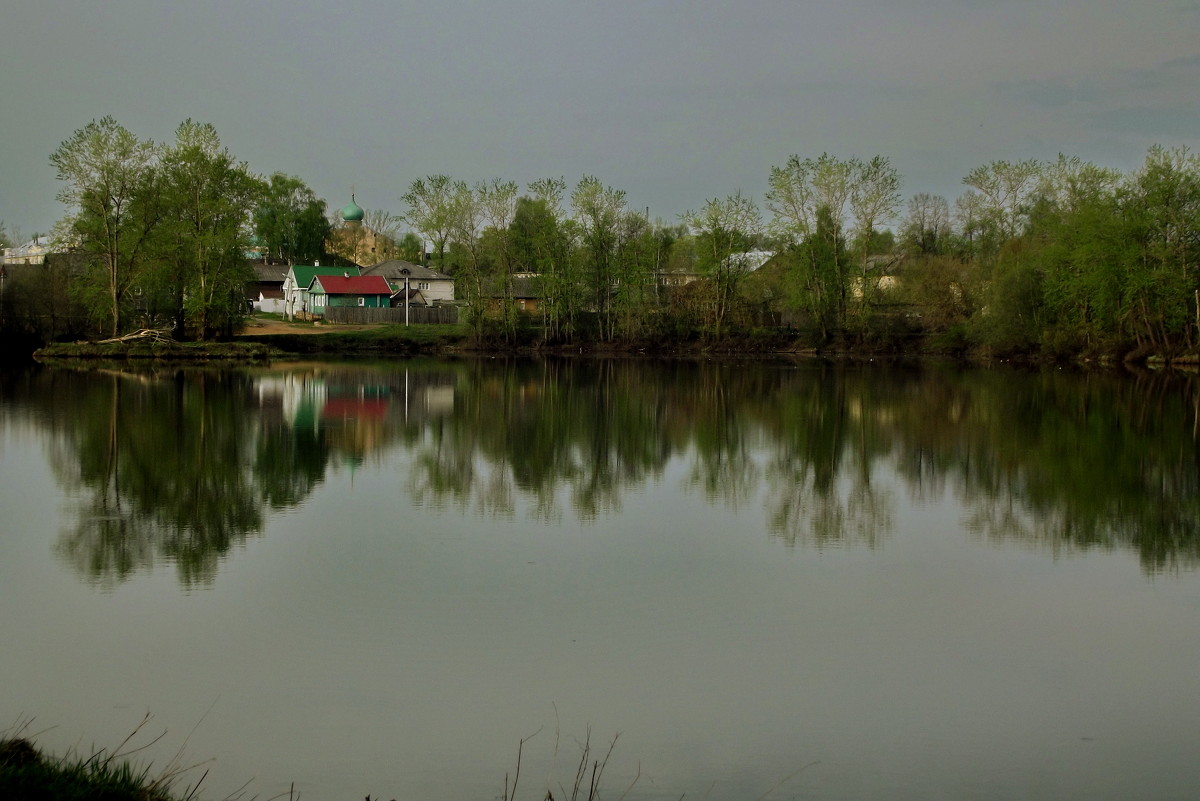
[[387, 339], [162, 351], [26, 774]]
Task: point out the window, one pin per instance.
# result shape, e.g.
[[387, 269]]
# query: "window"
[[362, 301], [422, 285]]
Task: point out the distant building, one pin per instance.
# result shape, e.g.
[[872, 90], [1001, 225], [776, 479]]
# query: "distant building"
[[433, 287], [32, 252], [356, 242], [265, 292], [296, 285], [366, 291]]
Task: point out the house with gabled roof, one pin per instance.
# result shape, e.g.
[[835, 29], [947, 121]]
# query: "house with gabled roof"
[[366, 291], [32, 252], [421, 283], [296, 284]]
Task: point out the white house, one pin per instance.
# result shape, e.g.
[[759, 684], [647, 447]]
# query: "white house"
[[32, 252], [433, 286]]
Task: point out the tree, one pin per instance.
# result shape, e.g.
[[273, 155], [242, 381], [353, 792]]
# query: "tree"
[[874, 198], [411, 248], [466, 222], [598, 209], [1163, 206], [819, 278], [498, 202], [804, 196], [926, 229], [543, 245], [1007, 190], [104, 169], [724, 231], [290, 222], [206, 198], [431, 211]]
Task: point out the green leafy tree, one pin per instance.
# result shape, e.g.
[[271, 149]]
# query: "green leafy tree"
[[925, 230], [1007, 190], [206, 198], [1163, 206], [105, 170], [874, 199], [431, 210], [598, 210], [819, 283], [290, 221], [411, 248], [724, 231], [541, 246]]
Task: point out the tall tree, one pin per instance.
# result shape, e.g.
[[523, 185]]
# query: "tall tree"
[[207, 199], [1164, 206], [290, 221], [1007, 189], [104, 169], [803, 194], [724, 231], [874, 198], [598, 209], [926, 228], [430, 211]]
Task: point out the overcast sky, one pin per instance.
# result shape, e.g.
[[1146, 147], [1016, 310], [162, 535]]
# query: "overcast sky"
[[673, 102]]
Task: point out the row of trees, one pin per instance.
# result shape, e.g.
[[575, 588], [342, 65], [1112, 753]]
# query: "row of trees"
[[162, 231], [1061, 255], [1058, 256]]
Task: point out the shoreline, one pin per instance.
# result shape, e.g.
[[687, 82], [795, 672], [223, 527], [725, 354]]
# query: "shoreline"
[[282, 342]]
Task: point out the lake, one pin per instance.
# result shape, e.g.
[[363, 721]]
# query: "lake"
[[772, 580]]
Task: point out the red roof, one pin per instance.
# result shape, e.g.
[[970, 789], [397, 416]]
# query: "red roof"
[[352, 408], [353, 285]]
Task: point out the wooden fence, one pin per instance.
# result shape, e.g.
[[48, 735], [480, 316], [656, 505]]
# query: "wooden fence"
[[447, 315]]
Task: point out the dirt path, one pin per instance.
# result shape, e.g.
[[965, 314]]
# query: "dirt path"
[[259, 327]]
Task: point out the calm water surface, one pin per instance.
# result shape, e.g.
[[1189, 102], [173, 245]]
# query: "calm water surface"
[[774, 581]]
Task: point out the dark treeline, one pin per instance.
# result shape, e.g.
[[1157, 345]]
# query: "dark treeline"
[[1061, 258], [180, 469], [158, 235]]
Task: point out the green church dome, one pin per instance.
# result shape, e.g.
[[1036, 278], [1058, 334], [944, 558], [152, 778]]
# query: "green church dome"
[[353, 212]]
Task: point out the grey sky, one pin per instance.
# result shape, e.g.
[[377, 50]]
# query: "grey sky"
[[674, 102]]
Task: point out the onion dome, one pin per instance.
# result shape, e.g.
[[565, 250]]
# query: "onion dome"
[[352, 212]]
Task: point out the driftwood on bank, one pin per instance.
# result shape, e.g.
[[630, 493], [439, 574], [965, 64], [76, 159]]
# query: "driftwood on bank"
[[145, 334]]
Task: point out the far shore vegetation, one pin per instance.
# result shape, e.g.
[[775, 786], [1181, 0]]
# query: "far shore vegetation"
[[1060, 259]]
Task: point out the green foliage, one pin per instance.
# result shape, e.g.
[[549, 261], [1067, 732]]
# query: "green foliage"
[[290, 221], [724, 231], [109, 190], [162, 232], [819, 281], [203, 234], [430, 210]]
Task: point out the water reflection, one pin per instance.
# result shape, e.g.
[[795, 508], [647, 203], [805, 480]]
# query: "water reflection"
[[181, 467]]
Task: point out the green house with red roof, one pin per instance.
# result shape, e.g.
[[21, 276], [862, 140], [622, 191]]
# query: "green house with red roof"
[[363, 291], [296, 283]]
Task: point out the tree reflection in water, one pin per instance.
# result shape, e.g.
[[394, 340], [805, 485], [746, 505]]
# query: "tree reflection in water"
[[180, 468]]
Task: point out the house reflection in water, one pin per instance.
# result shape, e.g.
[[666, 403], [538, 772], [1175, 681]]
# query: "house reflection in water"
[[356, 411]]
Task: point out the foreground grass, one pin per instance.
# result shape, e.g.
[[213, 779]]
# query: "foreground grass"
[[28, 775]]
